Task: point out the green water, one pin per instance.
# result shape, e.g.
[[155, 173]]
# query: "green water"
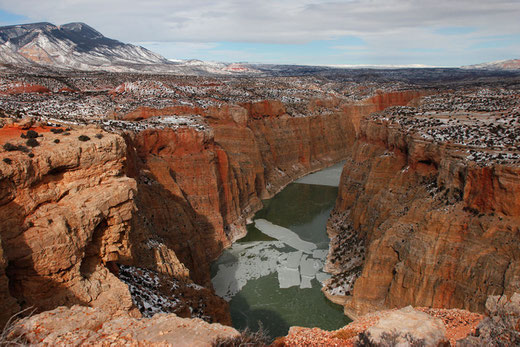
[[304, 209]]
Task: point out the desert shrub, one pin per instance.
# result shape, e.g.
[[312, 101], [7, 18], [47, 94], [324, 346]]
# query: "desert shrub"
[[8, 335], [32, 143], [57, 141], [31, 155], [99, 136], [57, 130], [65, 133], [7, 161], [10, 148], [246, 338], [31, 134], [83, 138]]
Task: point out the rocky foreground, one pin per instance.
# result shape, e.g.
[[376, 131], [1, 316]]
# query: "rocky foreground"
[[83, 326]]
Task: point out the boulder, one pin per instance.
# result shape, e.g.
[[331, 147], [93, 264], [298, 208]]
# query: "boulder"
[[406, 327]]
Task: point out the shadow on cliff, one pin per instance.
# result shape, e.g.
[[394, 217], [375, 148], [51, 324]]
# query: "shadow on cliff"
[[32, 284], [169, 219]]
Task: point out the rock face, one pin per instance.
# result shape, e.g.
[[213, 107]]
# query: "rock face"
[[501, 327], [164, 199], [212, 180], [85, 326], [65, 216], [424, 226], [9, 304]]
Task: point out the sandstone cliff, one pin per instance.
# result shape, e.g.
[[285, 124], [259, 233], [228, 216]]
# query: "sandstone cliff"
[[212, 180], [165, 199], [65, 212], [417, 223]]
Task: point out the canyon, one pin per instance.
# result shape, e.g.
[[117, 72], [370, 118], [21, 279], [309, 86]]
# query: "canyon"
[[131, 192]]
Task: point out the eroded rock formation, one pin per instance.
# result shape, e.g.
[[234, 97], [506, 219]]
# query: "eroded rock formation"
[[167, 199], [85, 326], [425, 226], [66, 209]]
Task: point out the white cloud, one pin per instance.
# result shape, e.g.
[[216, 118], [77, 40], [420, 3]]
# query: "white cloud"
[[387, 26]]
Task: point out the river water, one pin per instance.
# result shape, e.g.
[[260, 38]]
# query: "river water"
[[273, 275]]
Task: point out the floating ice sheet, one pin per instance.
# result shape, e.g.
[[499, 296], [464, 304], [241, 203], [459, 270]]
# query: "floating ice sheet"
[[285, 235], [307, 267], [293, 260], [322, 276], [306, 282], [320, 253], [242, 263], [288, 277], [326, 177]]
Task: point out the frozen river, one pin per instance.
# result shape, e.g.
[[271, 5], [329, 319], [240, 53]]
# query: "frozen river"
[[274, 274]]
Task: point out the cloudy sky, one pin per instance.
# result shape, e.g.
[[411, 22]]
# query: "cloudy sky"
[[319, 32]]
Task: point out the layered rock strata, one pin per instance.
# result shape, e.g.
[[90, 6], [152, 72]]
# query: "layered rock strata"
[[244, 154], [418, 222], [164, 198], [65, 208]]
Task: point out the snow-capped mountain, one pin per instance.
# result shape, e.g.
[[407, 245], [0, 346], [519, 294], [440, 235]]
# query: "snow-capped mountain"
[[70, 46], [513, 64], [77, 46]]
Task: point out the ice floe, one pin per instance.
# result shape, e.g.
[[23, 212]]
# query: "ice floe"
[[326, 177], [251, 260], [285, 235], [288, 277]]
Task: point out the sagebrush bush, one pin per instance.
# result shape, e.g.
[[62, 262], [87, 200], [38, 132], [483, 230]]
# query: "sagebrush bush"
[[388, 339], [83, 138], [32, 142], [31, 134], [10, 148], [57, 130], [8, 335]]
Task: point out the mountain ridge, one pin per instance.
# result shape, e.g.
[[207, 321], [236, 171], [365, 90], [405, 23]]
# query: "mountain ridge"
[[73, 45]]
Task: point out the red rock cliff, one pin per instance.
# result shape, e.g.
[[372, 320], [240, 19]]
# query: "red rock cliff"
[[428, 228], [65, 215]]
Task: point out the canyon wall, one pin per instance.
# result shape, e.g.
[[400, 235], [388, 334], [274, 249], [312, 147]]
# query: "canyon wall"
[[65, 210], [424, 226], [166, 200], [212, 180]]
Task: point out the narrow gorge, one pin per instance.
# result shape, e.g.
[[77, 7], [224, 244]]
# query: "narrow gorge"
[[126, 212]]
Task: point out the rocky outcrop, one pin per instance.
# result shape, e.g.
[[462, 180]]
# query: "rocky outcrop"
[[65, 212], [408, 326], [405, 327], [435, 229], [85, 326], [502, 325]]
